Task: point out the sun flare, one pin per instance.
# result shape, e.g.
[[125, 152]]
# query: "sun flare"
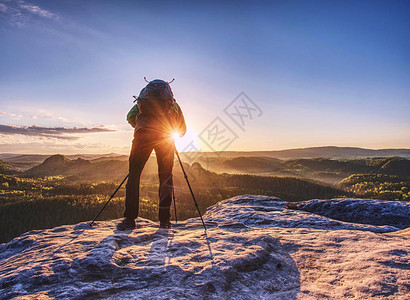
[[175, 135], [189, 142]]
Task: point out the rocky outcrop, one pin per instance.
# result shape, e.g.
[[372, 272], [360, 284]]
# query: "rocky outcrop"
[[53, 165], [57, 165], [255, 248], [5, 167], [363, 211]]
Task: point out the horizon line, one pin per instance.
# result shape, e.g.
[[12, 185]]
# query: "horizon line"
[[224, 151]]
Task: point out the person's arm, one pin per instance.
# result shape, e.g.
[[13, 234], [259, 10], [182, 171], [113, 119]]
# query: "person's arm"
[[132, 115], [179, 124]]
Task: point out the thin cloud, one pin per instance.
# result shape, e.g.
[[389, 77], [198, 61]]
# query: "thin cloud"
[[21, 13], [3, 8], [50, 132], [18, 13], [36, 10], [59, 146], [12, 115], [40, 115]]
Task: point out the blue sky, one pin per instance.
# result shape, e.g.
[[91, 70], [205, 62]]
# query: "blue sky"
[[322, 72]]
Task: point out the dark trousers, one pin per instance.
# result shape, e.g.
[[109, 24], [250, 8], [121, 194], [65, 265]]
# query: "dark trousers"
[[144, 142]]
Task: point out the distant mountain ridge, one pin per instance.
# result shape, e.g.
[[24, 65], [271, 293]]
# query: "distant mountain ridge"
[[309, 152], [5, 167], [328, 170], [39, 158], [58, 164], [322, 152], [315, 168], [99, 168]]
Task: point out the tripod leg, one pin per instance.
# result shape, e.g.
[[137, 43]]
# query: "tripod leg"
[[175, 205], [190, 189], [112, 196]]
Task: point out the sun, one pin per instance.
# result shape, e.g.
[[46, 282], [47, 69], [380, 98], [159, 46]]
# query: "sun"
[[189, 142], [175, 136]]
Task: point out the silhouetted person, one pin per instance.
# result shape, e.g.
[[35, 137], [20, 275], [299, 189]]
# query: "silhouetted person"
[[155, 117]]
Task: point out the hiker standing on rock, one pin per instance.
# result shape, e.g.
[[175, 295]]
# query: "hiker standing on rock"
[[155, 117]]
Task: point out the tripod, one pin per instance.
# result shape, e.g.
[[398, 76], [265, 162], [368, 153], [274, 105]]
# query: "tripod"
[[173, 195]]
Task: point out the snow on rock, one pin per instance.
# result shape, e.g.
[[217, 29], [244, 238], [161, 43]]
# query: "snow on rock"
[[255, 248], [365, 211], [266, 211]]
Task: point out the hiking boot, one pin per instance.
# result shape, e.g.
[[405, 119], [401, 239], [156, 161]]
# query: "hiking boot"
[[126, 224], [166, 225]]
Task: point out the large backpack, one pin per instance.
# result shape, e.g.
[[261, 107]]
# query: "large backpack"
[[156, 98]]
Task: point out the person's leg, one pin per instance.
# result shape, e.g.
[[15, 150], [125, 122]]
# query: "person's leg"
[[141, 150], [164, 151]]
